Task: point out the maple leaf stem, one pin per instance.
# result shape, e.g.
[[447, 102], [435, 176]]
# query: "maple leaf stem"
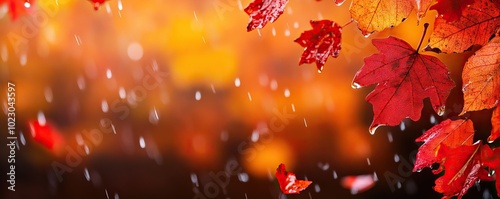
[[348, 23], [426, 25]]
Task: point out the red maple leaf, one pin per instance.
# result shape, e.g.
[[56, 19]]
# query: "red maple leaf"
[[491, 159], [450, 133], [404, 79], [288, 181], [463, 168], [17, 7], [322, 41], [263, 11], [477, 23], [451, 10]]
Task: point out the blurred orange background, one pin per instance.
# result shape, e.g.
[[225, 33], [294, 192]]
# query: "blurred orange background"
[[185, 89]]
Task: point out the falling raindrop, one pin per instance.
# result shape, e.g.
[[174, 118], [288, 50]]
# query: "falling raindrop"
[[389, 137], [41, 118], [240, 5], [153, 116], [105, 190], [243, 177], [195, 17], [120, 6], [273, 31], [80, 82], [104, 106], [21, 137], [79, 139], [296, 24], [194, 179], [402, 126], [324, 166], [305, 122], [116, 196], [293, 108], [197, 96], [273, 85], [27, 4], [237, 82], [213, 88], [135, 51], [287, 33], [258, 32], [86, 173], [487, 194], [396, 158], [433, 119], [375, 177], [335, 175], [286, 93], [368, 161], [224, 136], [255, 136], [316, 188], [142, 143], [23, 59], [48, 94], [86, 148], [109, 75], [249, 96], [78, 40], [122, 93]]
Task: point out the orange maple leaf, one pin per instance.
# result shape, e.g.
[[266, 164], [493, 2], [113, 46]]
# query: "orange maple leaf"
[[477, 24], [481, 78], [377, 15]]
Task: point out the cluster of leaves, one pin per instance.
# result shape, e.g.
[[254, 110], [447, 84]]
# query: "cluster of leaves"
[[404, 77]]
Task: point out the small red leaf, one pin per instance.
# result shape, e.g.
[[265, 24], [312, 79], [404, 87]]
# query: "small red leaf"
[[358, 184], [451, 10], [495, 125], [404, 79], [450, 133], [462, 166], [46, 135], [288, 181], [263, 11], [322, 41]]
